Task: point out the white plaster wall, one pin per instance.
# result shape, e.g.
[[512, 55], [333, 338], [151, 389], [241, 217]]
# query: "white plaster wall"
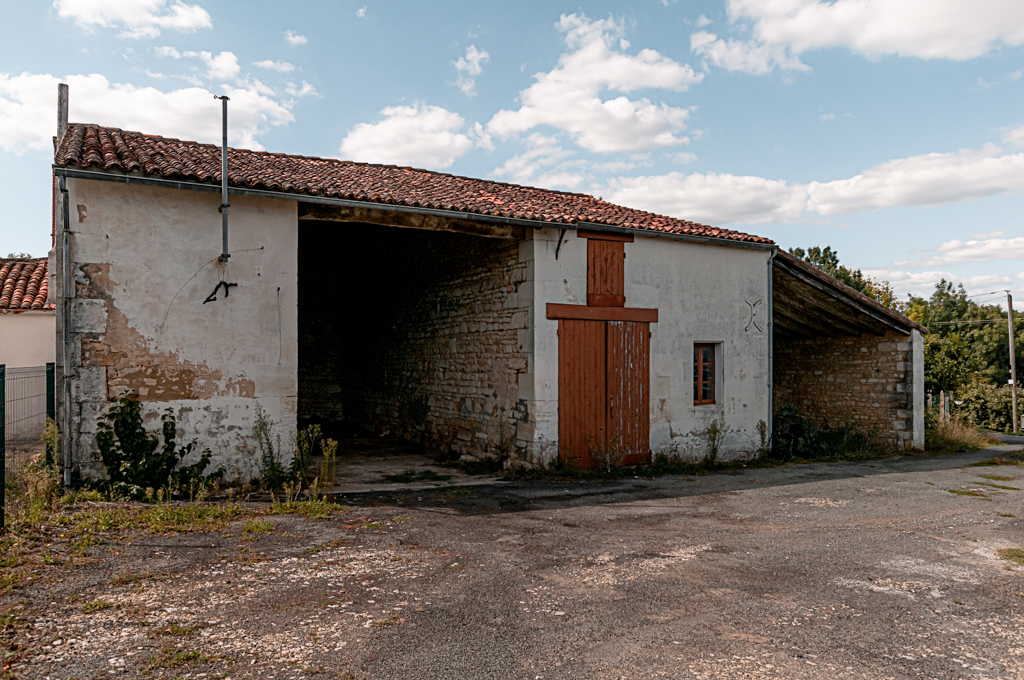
[[27, 338], [703, 293], [161, 246]]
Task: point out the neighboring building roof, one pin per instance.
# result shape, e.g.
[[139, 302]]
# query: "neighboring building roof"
[[115, 150], [23, 284], [806, 303]]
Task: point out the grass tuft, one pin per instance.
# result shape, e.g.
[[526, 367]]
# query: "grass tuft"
[[410, 476], [964, 492], [96, 606], [997, 486], [314, 508], [955, 436], [1015, 555]]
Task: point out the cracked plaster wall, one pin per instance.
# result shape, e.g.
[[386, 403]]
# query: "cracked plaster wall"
[[144, 262]]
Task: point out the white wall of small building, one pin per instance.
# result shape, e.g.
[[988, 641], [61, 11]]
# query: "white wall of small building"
[[27, 338], [703, 293], [145, 261]]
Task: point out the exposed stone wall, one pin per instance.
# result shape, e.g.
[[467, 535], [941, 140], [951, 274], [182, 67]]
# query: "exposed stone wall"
[[867, 380], [414, 333]]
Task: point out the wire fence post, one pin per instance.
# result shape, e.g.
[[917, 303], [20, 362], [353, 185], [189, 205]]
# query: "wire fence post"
[[3, 446], [51, 392]]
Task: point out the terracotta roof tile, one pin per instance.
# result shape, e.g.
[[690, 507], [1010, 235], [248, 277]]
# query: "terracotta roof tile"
[[112, 149], [24, 284]]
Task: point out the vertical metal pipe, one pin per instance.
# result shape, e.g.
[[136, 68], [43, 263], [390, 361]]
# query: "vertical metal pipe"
[[3, 444], [65, 315], [771, 345], [1013, 359], [224, 255], [51, 411]]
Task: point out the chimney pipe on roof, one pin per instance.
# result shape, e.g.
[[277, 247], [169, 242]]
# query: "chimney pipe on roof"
[[225, 255], [62, 111]]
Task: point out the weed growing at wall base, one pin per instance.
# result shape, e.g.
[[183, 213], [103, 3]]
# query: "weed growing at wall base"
[[794, 437], [135, 459]]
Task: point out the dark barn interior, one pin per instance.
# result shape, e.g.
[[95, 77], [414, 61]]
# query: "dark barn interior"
[[410, 333]]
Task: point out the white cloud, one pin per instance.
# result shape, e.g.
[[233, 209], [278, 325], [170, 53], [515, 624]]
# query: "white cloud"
[[469, 67], [223, 66], [167, 51], [542, 164], [28, 119], [684, 158], [928, 29], [137, 18], [826, 116], [710, 198], [926, 180], [703, 21], [1014, 136], [420, 135], [923, 283], [568, 97], [303, 90], [294, 38], [361, 12], [970, 251], [279, 66], [981, 235], [742, 55], [929, 179]]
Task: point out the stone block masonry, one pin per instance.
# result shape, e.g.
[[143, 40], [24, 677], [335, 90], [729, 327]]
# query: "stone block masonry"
[[412, 333], [867, 381]]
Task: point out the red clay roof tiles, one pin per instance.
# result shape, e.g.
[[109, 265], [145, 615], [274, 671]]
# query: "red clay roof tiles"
[[112, 149], [24, 284]]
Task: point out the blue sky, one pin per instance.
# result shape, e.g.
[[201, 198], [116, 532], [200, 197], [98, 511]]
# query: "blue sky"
[[892, 130]]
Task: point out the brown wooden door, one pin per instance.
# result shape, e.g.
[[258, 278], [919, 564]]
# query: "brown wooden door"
[[582, 390], [603, 391], [629, 427]]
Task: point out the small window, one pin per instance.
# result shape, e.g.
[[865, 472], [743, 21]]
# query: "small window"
[[703, 374]]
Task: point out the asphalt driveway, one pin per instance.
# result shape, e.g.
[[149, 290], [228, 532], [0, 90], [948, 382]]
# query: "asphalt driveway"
[[874, 570]]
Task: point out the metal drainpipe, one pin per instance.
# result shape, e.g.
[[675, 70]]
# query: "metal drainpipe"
[[65, 315], [771, 347], [224, 255]]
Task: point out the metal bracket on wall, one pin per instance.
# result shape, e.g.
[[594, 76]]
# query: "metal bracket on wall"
[[561, 235], [227, 289]]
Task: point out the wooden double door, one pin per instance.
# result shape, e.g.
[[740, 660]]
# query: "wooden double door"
[[603, 392]]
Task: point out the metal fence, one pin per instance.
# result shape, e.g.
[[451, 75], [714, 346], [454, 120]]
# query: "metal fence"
[[26, 399], [25, 403]]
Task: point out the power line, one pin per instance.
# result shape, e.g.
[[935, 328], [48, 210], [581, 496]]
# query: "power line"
[[970, 321]]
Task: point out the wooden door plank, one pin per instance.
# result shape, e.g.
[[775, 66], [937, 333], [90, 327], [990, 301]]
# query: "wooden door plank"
[[629, 391], [582, 390]]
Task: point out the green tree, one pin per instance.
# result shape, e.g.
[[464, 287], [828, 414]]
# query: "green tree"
[[827, 260], [949, 363]]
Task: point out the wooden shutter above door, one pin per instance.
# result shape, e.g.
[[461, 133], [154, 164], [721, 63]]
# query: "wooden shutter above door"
[[606, 275]]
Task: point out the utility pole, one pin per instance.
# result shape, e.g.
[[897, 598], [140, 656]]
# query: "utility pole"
[[1013, 359]]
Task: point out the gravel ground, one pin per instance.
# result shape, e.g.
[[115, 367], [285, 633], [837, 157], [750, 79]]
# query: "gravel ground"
[[842, 570]]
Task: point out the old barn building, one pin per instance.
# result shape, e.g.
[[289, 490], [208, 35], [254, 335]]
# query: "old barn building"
[[465, 314]]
